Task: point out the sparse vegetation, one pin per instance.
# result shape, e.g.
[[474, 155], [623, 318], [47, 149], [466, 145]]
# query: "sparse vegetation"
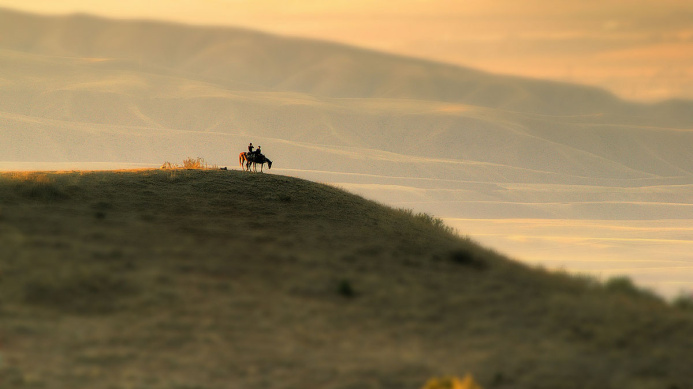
[[429, 220], [38, 186], [206, 278], [683, 302], [190, 164], [624, 285], [194, 163]]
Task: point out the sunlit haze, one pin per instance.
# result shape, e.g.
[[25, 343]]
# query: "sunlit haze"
[[641, 49]]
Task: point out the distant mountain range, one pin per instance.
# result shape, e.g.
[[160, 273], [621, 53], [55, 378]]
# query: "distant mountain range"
[[242, 59], [84, 89]]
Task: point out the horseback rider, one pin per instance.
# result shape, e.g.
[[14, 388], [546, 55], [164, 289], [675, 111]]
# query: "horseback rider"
[[253, 156]]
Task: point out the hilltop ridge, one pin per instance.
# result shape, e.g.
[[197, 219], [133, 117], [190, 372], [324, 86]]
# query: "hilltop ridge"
[[216, 279]]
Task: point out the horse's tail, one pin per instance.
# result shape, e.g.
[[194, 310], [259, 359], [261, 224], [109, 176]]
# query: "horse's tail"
[[241, 159]]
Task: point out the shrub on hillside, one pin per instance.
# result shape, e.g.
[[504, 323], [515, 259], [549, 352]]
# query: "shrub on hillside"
[[625, 286], [345, 289], [194, 163], [189, 163], [683, 302], [427, 219], [467, 258]]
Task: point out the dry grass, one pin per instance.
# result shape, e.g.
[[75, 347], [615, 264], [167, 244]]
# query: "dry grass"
[[217, 279], [190, 164]]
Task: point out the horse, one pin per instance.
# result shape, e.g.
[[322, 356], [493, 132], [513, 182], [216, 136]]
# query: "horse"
[[259, 159], [243, 160], [253, 159]]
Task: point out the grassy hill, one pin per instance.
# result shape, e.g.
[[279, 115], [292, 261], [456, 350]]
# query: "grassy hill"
[[224, 279]]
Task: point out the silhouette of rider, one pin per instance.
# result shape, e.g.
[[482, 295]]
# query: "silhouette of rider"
[[257, 152], [250, 148]]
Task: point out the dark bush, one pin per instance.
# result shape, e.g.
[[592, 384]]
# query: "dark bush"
[[468, 259], [345, 289], [683, 302], [625, 286]]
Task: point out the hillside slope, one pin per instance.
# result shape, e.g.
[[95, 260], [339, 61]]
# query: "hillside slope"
[[218, 279]]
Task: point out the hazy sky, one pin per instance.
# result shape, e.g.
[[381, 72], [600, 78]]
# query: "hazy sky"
[[640, 49]]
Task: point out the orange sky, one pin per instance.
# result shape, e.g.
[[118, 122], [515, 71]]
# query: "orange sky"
[[640, 49]]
